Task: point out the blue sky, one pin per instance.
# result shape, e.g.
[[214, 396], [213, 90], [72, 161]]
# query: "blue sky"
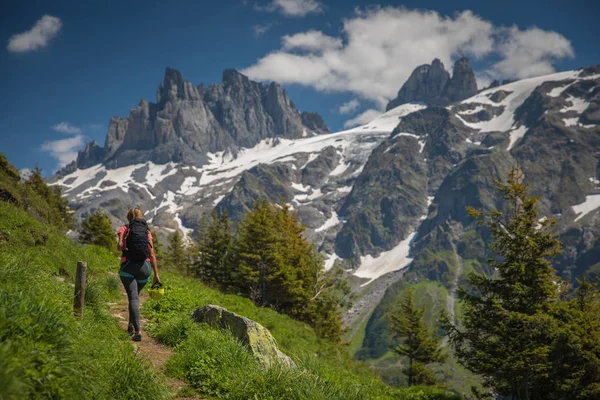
[[66, 67]]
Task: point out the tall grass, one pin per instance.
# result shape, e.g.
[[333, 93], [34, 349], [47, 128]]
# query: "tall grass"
[[219, 366], [45, 352]]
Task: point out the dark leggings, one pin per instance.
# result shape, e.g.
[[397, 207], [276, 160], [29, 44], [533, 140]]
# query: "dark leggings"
[[134, 276]]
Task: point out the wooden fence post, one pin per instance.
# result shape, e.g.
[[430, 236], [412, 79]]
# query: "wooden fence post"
[[79, 289]]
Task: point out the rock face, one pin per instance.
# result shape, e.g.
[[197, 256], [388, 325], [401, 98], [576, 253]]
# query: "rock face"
[[314, 122], [432, 85], [253, 335], [187, 122]]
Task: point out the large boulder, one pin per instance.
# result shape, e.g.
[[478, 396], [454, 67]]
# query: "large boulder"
[[253, 335]]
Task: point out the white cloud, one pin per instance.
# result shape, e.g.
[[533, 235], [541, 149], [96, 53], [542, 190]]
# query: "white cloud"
[[64, 150], [312, 40], [349, 107], [65, 127], [362, 118], [37, 37], [292, 8], [260, 30], [379, 48], [530, 52]]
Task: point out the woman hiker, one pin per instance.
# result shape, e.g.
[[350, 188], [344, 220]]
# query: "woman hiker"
[[135, 241]]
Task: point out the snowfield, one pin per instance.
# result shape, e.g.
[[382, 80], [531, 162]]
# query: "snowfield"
[[388, 261]]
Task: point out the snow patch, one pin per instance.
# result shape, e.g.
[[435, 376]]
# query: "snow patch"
[[187, 187], [590, 204], [515, 135], [187, 232], [388, 261], [330, 261], [577, 104], [340, 169], [331, 222]]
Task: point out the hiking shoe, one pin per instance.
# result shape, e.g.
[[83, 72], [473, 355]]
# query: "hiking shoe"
[[137, 337], [130, 330]]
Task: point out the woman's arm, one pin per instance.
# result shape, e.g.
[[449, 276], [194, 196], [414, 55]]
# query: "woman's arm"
[[120, 242], [153, 261]]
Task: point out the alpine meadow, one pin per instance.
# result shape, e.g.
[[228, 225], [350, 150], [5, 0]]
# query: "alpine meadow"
[[300, 200]]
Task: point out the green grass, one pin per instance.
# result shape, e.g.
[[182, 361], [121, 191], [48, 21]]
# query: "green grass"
[[217, 365], [46, 352]]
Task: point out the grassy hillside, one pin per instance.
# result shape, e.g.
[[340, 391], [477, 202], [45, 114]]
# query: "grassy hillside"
[[216, 365], [46, 352]]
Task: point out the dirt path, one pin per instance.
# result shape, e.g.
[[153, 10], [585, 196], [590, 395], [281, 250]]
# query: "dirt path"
[[149, 348]]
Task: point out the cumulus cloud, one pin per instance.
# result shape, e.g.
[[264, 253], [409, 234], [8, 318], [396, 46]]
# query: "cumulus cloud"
[[314, 41], [64, 150], [362, 118], [530, 52], [349, 107], [379, 47], [292, 8], [65, 127], [37, 37]]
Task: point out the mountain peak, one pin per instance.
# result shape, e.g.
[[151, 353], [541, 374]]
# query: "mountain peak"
[[233, 76], [432, 84], [174, 87]]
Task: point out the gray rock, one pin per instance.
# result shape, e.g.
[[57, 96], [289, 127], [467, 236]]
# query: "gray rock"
[[432, 85], [314, 122], [463, 83], [253, 335]]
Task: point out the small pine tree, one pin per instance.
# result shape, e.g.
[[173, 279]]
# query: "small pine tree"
[[157, 245], [98, 230], [279, 268], [62, 205], [419, 344], [575, 354], [508, 333], [214, 264], [176, 255]]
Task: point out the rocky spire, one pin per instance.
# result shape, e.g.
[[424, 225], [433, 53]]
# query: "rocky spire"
[[463, 83], [432, 85], [174, 87]]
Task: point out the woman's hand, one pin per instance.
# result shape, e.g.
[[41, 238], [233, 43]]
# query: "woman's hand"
[[156, 278]]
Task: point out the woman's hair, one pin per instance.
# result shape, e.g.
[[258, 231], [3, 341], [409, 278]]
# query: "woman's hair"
[[134, 213]]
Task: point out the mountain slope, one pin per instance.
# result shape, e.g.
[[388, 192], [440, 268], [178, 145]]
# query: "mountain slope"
[[389, 195]]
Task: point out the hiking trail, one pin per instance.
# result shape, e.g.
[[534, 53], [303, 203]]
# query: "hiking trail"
[[149, 348]]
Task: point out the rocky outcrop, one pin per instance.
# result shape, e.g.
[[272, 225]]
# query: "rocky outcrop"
[[188, 121], [463, 83], [91, 155], [253, 335], [314, 122], [432, 85]]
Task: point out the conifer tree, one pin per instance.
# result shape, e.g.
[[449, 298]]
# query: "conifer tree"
[[418, 344], [508, 333], [277, 267], [176, 256], [214, 265], [157, 245], [98, 230], [575, 354]]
